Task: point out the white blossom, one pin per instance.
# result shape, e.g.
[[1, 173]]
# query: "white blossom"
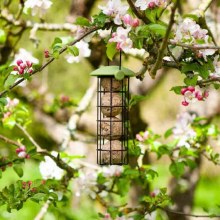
[[86, 183], [104, 33], [49, 169], [84, 51], [115, 9], [216, 64], [188, 31], [38, 6], [144, 4], [24, 55], [183, 130], [137, 52], [112, 171]]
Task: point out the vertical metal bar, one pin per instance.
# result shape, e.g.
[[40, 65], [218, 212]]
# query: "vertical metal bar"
[[97, 131], [111, 94]]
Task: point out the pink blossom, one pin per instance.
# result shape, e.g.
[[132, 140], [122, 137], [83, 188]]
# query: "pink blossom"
[[124, 43], [142, 136], [115, 9]]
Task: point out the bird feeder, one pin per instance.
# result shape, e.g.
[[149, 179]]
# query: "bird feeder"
[[112, 114]]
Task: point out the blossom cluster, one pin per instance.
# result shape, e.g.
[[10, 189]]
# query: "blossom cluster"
[[119, 13], [188, 31], [191, 95], [151, 4], [23, 67], [21, 152]]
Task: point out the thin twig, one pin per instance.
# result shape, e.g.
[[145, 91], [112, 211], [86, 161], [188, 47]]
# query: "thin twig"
[[51, 60], [74, 119], [207, 81], [9, 18], [195, 47], [9, 141], [188, 214], [29, 137], [43, 210], [138, 13], [163, 47]]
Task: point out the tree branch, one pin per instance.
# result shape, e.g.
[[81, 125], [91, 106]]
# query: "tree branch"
[[138, 13], [162, 49], [9, 141], [9, 18], [51, 60], [74, 119], [194, 47]]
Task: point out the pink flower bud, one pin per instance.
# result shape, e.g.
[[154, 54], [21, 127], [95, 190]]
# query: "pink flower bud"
[[29, 183], [151, 5], [183, 90], [185, 103], [23, 148], [28, 156], [206, 94], [139, 137], [21, 71], [127, 19], [199, 97], [46, 54], [191, 88], [18, 150], [118, 46], [23, 66], [15, 68], [29, 63], [135, 22], [19, 62], [22, 154], [30, 71]]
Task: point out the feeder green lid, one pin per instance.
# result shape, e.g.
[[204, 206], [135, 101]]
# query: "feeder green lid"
[[113, 71]]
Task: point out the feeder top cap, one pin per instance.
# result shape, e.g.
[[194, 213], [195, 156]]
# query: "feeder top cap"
[[119, 74]]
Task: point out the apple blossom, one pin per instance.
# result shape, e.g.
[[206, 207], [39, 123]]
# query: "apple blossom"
[[84, 51], [49, 169], [188, 31], [38, 6], [182, 130], [142, 137], [86, 183], [115, 9], [112, 171], [144, 4], [124, 43]]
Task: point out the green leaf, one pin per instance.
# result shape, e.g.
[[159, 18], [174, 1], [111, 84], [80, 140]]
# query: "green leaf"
[[10, 80], [111, 50], [100, 19], [57, 40], [3, 101], [3, 36], [158, 29], [177, 168], [56, 54], [177, 89], [38, 197], [191, 81], [168, 132], [82, 21], [73, 50], [151, 14], [18, 169]]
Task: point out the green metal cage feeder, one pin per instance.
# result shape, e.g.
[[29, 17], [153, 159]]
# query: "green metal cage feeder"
[[112, 114]]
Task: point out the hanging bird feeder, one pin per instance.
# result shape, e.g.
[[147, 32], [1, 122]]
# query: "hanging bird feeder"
[[112, 114]]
